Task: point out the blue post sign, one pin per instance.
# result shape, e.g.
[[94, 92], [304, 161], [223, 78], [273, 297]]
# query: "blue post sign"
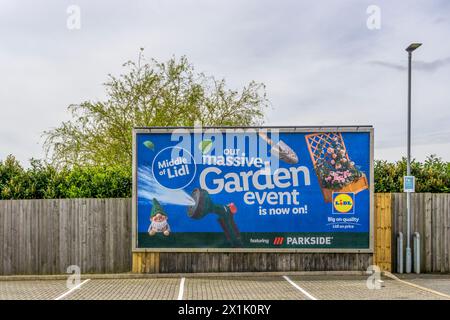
[[253, 188], [409, 184]]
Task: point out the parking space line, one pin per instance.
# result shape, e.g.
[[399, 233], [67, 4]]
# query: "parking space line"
[[390, 275], [296, 286], [71, 290], [181, 291]]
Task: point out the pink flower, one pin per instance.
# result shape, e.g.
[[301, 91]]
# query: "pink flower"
[[333, 162], [338, 166], [344, 160], [330, 150], [334, 156], [327, 179]]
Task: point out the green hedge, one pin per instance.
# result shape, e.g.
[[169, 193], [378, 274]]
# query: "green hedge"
[[432, 175], [43, 181]]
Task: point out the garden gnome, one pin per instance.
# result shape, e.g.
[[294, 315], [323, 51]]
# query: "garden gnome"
[[158, 220]]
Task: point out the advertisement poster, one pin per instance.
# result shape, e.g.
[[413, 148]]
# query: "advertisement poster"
[[266, 188]]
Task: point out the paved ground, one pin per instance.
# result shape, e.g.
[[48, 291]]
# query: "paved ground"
[[237, 288], [440, 283]]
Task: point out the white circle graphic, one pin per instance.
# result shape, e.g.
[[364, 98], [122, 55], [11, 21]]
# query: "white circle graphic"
[[193, 162]]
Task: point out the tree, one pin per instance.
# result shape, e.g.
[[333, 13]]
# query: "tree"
[[149, 94]]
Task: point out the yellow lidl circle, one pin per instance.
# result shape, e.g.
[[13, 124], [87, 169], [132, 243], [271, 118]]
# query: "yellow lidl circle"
[[343, 203]]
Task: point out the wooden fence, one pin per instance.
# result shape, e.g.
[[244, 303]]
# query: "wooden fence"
[[47, 236], [430, 217], [383, 231], [165, 262]]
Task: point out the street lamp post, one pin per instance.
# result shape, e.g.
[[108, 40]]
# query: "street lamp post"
[[410, 49]]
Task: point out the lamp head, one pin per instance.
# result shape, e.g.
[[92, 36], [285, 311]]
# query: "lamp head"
[[413, 46]]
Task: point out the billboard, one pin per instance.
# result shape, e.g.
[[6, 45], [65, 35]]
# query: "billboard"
[[253, 189]]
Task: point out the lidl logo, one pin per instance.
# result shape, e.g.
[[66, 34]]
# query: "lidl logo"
[[343, 203]]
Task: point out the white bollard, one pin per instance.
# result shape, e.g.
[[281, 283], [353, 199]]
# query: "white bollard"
[[416, 244], [400, 252]]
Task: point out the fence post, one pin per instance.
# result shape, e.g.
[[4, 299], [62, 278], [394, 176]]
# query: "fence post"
[[383, 231], [400, 252]]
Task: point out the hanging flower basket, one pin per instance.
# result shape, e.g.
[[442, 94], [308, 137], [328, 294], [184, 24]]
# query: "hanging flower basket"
[[334, 169]]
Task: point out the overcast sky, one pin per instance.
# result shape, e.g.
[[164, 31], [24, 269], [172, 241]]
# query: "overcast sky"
[[321, 63]]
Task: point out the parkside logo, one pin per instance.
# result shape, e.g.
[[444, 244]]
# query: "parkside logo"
[[278, 241]]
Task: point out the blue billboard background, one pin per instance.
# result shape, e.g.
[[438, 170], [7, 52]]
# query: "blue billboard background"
[[310, 221]]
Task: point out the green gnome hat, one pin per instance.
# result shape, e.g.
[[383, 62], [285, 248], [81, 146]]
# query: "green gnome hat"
[[156, 208]]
